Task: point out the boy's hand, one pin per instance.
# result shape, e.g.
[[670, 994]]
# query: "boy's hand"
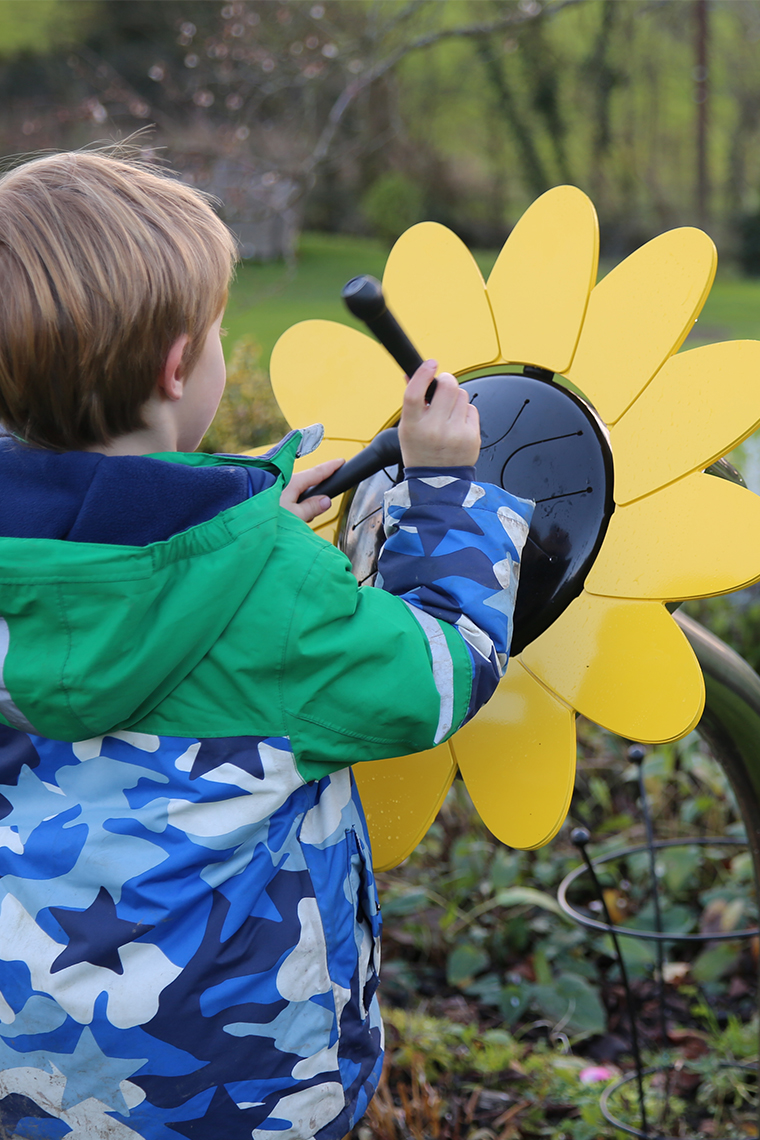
[[443, 433], [316, 504]]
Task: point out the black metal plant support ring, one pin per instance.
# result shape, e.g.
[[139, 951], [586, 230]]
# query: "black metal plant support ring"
[[581, 838], [733, 707]]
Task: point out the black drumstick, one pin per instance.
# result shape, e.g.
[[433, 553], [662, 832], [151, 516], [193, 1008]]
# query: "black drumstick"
[[364, 298], [383, 451]]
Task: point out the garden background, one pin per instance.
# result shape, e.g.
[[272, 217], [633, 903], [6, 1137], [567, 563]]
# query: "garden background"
[[326, 129]]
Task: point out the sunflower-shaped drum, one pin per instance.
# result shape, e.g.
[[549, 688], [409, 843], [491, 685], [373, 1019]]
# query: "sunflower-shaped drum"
[[586, 408]]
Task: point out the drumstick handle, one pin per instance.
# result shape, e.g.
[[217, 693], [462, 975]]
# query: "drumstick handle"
[[383, 451], [364, 298]]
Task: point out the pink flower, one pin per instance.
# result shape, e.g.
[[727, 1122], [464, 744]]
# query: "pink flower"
[[596, 1073]]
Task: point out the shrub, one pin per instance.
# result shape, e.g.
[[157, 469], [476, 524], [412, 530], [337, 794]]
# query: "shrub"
[[392, 204], [248, 415]]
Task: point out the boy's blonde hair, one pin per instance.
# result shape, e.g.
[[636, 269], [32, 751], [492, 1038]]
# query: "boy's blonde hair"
[[103, 265]]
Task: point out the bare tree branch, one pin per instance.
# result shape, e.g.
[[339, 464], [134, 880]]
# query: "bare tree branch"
[[430, 39]]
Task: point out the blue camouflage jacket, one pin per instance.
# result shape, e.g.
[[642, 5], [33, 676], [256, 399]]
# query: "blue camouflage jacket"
[[189, 927]]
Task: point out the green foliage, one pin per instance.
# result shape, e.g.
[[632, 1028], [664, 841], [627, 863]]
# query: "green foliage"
[[537, 1089], [392, 204], [571, 1004], [716, 962], [464, 962], [475, 945], [735, 619], [481, 104], [736, 1041], [37, 28], [443, 1046]]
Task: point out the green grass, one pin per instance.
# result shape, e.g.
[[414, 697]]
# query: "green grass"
[[731, 312], [267, 299]]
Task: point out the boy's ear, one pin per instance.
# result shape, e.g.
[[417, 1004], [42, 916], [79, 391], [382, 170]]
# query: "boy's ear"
[[171, 382]]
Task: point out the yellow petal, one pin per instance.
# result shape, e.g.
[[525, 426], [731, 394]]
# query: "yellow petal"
[[638, 315], [625, 665], [401, 798], [540, 284], [327, 526], [434, 288], [698, 537], [327, 373], [700, 405], [517, 757]]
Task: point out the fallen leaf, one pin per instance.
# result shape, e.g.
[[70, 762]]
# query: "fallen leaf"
[[674, 973]]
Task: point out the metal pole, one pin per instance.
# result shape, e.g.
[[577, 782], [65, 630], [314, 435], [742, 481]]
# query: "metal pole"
[[731, 725]]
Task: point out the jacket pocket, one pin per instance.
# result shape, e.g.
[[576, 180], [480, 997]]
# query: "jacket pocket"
[[368, 921]]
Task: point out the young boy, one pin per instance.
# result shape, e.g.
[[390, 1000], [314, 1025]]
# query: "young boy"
[[189, 929]]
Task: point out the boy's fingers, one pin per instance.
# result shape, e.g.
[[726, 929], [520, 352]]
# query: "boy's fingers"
[[448, 396], [418, 384], [463, 401], [472, 415], [302, 480], [320, 471], [309, 509], [445, 399]]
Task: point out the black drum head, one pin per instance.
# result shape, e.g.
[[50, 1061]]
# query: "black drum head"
[[541, 442]]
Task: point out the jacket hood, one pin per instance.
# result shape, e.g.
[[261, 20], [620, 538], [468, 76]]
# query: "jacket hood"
[[94, 634], [127, 500]]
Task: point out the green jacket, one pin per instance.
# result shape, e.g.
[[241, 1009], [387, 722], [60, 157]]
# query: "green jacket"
[[249, 622]]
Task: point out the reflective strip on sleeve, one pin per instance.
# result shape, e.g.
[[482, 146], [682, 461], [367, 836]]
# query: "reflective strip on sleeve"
[[443, 669]]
